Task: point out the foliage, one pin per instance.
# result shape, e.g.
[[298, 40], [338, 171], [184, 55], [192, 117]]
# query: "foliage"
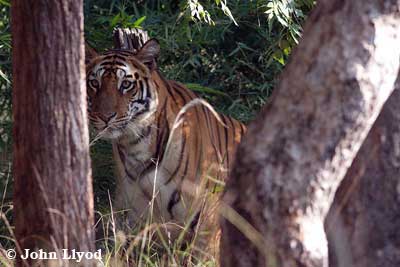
[[238, 47], [5, 95], [5, 123]]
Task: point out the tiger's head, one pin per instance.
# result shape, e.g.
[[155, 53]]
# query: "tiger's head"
[[120, 91]]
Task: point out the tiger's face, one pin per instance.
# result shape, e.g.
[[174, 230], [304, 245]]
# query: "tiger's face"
[[119, 89]]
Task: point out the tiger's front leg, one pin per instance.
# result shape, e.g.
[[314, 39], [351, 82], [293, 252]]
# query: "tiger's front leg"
[[141, 199], [131, 203]]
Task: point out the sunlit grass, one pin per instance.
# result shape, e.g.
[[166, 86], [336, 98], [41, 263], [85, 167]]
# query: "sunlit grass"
[[150, 245]]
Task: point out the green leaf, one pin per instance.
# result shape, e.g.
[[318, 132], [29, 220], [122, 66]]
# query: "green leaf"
[[139, 21], [278, 56], [237, 49], [282, 21], [115, 20], [284, 10], [245, 46], [299, 13], [5, 2], [227, 12]]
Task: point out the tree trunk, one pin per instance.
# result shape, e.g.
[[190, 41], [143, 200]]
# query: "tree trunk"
[[130, 38], [53, 201], [295, 154], [362, 225]]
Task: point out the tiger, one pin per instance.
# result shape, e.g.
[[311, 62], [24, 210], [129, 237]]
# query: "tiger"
[[169, 146]]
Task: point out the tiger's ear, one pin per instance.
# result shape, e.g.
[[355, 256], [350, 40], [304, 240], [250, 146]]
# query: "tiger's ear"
[[148, 53], [90, 53]]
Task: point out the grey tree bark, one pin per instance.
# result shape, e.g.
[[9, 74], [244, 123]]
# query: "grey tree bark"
[[298, 150], [362, 225], [53, 201]]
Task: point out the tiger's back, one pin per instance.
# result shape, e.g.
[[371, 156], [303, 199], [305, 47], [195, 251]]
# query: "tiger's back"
[[205, 145]]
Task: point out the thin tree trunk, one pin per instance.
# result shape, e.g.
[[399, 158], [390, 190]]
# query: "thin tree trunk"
[[299, 148], [53, 201], [363, 223], [130, 39]]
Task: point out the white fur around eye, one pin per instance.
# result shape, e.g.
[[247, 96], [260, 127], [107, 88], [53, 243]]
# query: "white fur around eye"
[[94, 83], [126, 85], [120, 76]]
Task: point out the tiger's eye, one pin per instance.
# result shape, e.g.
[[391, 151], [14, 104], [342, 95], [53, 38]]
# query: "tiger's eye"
[[94, 83], [126, 84]]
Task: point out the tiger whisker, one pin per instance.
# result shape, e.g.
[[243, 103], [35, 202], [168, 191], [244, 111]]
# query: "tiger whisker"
[[99, 136]]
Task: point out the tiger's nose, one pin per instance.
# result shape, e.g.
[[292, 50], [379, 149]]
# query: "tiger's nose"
[[106, 117]]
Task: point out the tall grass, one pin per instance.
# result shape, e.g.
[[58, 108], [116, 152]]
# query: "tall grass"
[[6, 238]]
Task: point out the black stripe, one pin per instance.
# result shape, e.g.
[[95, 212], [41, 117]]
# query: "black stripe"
[[226, 139], [147, 87], [195, 220], [108, 57], [185, 169], [162, 133], [112, 63], [140, 91], [233, 131], [209, 128], [113, 52], [161, 145], [122, 156], [175, 198], [191, 94], [146, 107], [179, 91], [119, 63], [199, 134], [164, 139], [168, 87], [178, 161], [149, 166], [120, 57], [107, 63], [124, 54], [130, 176], [171, 94], [218, 128], [141, 88]]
